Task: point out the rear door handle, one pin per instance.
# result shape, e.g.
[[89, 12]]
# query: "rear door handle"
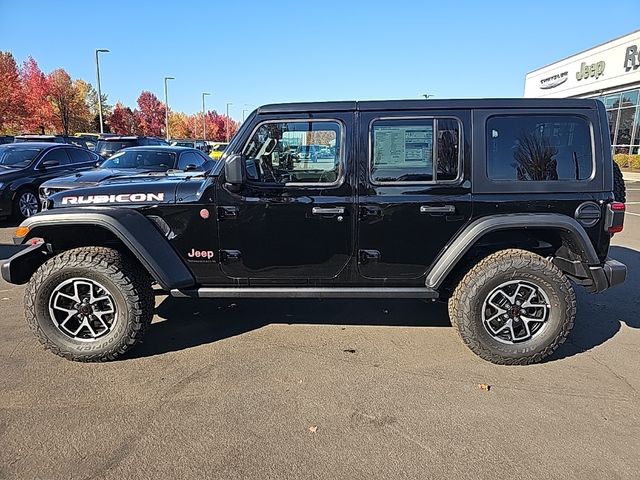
[[437, 209], [327, 210]]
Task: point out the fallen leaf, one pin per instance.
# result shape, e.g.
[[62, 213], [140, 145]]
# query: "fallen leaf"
[[349, 350], [485, 387], [313, 428]]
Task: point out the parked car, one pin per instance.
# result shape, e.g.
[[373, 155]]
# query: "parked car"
[[108, 145], [129, 162], [217, 149], [25, 166], [6, 139], [80, 142], [500, 207], [199, 144]]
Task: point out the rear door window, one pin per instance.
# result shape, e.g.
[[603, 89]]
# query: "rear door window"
[[533, 148]]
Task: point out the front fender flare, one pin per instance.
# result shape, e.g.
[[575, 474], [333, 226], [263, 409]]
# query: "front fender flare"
[[135, 231], [477, 229]]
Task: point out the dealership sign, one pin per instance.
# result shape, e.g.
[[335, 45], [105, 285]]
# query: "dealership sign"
[[608, 67], [554, 80]]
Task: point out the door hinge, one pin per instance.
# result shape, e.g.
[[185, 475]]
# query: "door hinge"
[[230, 256], [368, 256]]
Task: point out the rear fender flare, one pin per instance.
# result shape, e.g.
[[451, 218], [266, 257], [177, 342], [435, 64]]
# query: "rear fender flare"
[[477, 229]]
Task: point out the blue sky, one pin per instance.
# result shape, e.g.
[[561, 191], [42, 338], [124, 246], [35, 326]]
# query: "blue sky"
[[250, 52]]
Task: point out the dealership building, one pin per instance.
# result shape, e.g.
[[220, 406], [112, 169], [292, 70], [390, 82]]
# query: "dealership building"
[[609, 72]]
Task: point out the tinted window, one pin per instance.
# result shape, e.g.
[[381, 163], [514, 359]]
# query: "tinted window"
[[189, 158], [17, 157], [539, 148], [108, 147], [294, 152], [142, 159], [403, 150], [80, 156], [58, 155]]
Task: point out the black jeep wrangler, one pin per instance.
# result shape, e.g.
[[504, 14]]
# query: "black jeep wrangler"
[[496, 205]]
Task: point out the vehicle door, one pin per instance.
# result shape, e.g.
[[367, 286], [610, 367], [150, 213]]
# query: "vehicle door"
[[54, 163], [293, 219], [413, 194]]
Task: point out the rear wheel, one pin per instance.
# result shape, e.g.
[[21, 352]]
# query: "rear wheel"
[[89, 304], [514, 307]]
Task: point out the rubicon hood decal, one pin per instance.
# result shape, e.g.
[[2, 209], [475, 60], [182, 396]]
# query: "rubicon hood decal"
[[117, 198]]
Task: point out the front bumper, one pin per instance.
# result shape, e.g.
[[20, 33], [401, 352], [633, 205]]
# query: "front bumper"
[[18, 262]]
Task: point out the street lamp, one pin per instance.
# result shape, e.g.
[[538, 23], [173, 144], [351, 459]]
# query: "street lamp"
[[245, 110], [99, 50], [227, 120], [204, 118], [166, 108]]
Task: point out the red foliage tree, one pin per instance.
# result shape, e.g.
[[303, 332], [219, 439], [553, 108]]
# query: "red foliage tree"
[[11, 94], [123, 121], [39, 115], [150, 115]]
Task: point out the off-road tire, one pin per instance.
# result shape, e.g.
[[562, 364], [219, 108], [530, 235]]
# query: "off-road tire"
[[125, 281], [619, 189], [466, 303]]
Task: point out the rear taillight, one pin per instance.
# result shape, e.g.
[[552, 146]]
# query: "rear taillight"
[[615, 217]]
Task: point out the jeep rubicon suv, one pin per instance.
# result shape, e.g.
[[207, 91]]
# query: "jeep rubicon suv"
[[498, 206]]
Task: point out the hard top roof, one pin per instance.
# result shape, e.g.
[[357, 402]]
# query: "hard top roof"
[[431, 104]]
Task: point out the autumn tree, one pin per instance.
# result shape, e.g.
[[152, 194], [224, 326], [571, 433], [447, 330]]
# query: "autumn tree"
[[90, 97], [123, 121], [179, 125], [67, 98], [150, 115], [39, 115], [11, 94]]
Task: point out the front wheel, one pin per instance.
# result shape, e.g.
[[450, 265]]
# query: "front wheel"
[[89, 304], [26, 204], [513, 308]]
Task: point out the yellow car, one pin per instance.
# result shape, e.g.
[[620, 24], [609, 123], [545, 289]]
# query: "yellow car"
[[217, 149]]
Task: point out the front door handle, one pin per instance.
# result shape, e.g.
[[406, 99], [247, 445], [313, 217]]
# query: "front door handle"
[[327, 210], [438, 209]]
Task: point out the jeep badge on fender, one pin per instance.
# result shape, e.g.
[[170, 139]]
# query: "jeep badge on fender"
[[462, 201]]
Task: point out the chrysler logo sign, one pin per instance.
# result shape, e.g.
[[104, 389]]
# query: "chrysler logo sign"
[[554, 80]]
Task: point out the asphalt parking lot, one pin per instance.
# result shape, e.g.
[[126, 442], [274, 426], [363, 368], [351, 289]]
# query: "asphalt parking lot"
[[327, 389]]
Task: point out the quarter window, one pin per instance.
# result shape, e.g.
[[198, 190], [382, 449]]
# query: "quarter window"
[[539, 148], [415, 150], [294, 153]]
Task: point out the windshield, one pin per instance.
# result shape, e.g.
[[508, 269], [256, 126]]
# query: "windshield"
[[109, 147], [18, 157], [142, 159]]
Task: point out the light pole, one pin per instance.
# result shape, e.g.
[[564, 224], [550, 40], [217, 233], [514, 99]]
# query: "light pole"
[[204, 118], [227, 120], [245, 110], [99, 50], [166, 108]]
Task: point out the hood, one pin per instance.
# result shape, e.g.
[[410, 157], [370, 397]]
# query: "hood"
[[87, 178], [142, 189], [9, 174]]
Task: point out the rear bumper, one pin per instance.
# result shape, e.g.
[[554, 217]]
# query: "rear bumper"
[[597, 278], [18, 262], [610, 274]]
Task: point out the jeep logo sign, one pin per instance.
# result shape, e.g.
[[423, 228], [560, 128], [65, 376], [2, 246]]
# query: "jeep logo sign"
[[594, 70]]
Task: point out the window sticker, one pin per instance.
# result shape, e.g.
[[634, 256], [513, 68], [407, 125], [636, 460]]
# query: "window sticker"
[[401, 147]]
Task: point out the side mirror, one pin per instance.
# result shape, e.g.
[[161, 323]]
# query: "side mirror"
[[49, 163], [233, 171]]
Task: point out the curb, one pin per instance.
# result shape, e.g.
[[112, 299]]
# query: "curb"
[[631, 176]]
